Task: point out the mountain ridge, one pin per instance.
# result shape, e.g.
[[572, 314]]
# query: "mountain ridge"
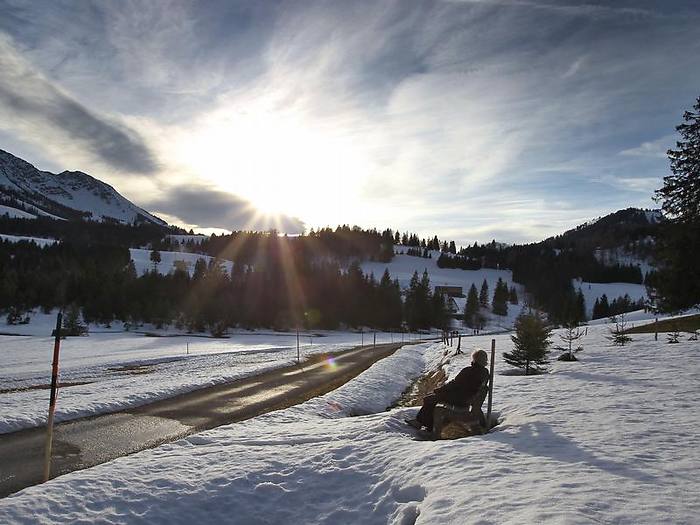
[[69, 195]]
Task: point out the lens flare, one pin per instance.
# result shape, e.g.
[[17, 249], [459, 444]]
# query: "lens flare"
[[331, 364]]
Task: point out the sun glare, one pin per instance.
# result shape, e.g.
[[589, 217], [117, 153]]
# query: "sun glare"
[[280, 162]]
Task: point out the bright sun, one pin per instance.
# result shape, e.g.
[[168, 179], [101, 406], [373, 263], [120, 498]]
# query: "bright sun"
[[279, 162]]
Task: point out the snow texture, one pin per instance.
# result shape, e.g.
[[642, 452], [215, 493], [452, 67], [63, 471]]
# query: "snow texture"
[[609, 439]]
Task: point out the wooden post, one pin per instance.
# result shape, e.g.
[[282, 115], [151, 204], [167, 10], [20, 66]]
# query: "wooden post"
[[488, 409], [362, 332], [459, 343], [374, 344], [656, 329], [298, 352], [188, 348], [52, 400]]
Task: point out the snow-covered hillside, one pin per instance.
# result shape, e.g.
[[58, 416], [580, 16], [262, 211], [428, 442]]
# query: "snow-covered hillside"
[[36, 240], [593, 291], [143, 263], [587, 443], [70, 194], [402, 268]]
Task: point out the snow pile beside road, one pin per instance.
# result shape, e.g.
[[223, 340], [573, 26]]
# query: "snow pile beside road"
[[610, 439]]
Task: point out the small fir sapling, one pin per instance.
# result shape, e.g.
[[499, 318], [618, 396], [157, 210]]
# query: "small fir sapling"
[[618, 335], [572, 333], [674, 336]]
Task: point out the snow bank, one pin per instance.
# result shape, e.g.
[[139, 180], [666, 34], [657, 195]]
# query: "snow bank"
[[610, 439]]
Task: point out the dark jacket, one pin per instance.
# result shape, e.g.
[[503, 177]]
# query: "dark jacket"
[[462, 388]]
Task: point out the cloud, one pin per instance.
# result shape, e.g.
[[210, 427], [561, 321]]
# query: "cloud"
[[655, 148], [431, 116], [42, 112], [207, 207]]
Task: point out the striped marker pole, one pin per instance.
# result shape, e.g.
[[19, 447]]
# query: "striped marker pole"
[[52, 401], [488, 410]]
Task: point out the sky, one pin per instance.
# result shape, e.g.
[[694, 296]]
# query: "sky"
[[471, 120]]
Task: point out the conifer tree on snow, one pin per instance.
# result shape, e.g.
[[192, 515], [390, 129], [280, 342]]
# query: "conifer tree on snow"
[[453, 247], [678, 277], [530, 344], [499, 303], [572, 333], [471, 308], [618, 335], [484, 294], [513, 296], [155, 259], [580, 307]]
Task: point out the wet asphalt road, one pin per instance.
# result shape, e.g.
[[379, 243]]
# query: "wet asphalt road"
[[83, 443]]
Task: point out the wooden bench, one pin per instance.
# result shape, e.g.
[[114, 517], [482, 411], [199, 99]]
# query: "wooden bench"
[[470, 416]]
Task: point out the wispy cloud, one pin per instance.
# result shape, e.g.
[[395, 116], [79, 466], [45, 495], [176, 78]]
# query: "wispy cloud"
[[436, 116], [654, 148], [33, 106]]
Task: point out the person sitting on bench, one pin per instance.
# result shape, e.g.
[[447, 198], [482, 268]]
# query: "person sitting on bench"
[[458, 392]]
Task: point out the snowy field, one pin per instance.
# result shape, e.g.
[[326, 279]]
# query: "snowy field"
[[143, 263], [593, 291], [113, 370], [402, 267], [610, 439]]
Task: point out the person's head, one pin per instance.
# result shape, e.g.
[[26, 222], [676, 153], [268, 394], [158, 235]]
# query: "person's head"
[[480, 357]]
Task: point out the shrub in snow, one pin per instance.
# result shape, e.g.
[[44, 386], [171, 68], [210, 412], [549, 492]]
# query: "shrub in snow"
[[695, 335], [530, 344], [17, 316], [572, 333], [72, 324], [673, 337], [618, 334]]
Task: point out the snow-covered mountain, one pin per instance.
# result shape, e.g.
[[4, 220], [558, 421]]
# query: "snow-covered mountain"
[[71, 195]]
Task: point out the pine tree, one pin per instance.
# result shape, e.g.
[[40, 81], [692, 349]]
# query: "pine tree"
[[580, 307], [453, 247], [678, 278], [155, 259], [618, 334], [680, 194], [471, 308], [484, 294], [513, 295], [499, 303], [530, 344]]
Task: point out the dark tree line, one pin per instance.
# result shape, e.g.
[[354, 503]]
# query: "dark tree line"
[[458, 261], [288, 290], [604, 308]]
